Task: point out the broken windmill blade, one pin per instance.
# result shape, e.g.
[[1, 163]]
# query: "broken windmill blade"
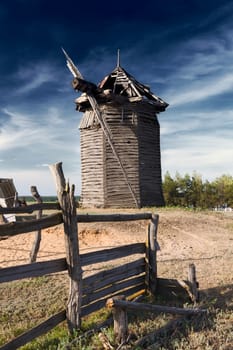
[[80, 82], [70, 64]]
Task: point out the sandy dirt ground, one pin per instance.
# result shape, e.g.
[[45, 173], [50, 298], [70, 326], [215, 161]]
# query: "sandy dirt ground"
[[184, 237]]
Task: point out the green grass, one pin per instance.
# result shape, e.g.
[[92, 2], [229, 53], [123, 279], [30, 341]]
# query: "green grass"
[[27, 303]]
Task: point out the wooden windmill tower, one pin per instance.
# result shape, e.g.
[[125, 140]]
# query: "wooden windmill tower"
[[120, 141]]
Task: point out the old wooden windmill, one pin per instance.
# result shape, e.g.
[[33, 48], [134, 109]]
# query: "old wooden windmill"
[[120, 141]]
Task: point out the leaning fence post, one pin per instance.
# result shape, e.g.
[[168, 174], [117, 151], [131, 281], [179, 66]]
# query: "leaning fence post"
[[68, 206], [37, 239], [151, 254]]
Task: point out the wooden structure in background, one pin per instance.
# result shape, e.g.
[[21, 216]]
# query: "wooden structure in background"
[[120, 141], [7, 193], [8, 198]]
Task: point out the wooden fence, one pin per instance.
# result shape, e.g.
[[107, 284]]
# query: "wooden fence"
[[88, 294], [120, 307]]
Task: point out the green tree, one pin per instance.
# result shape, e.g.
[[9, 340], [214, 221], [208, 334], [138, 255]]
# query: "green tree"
[[183, 189], [196, 191], [193, 192], [169, 190], [224, 190], [209, 195]]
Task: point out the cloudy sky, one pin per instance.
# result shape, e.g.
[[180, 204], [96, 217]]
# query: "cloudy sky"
[[183, 49]]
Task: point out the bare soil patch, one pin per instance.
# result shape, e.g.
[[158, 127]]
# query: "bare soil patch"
[[205, 238]]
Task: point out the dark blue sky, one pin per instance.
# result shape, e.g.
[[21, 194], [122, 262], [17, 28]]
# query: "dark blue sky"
[[182, 49]]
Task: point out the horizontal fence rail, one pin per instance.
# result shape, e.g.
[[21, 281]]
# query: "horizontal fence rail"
[[37, 269], [113, 217], [35, 332], [112, 254], [42, 268], [128, 279], [30, 208], [16, 228], [80, 217], [103, 278]]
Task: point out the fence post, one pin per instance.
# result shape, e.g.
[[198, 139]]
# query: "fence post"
[[193, 284], [68, 206], [120, 319], [36, 243], [151, 254]]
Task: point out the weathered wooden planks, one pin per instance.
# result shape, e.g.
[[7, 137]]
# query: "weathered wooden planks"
[[15, 228], [52, 266], [128, 278], [36, 243], [35, 332], [86, 310], [150, 162], [30, 208], [113, 217], [66, 199], [112, 253], [103, 278], [113, 288], [134, 306], [32, 270], [91, 143], [135, 133]]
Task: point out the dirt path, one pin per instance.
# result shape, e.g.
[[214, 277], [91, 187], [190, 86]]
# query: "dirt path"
[[184, 237]]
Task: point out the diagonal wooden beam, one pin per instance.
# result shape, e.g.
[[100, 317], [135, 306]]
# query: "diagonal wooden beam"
[[107, 132]]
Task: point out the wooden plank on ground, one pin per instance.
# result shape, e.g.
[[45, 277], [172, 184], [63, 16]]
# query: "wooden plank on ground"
[[138, 307], [86, 310]]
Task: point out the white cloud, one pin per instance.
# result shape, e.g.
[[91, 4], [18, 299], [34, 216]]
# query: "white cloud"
[[31, 141], [203, 89], [199, 68], [208, 122], [48, 129], [33, 76], [196, 129], [41, 178], [207, 153]]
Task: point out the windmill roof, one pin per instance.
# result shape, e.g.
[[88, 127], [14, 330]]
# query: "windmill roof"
[[124, 84], [122, 87]]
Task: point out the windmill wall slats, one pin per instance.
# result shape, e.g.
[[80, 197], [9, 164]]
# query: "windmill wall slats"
[[150, 162], [91, 142], [136, 136], [123, 128]]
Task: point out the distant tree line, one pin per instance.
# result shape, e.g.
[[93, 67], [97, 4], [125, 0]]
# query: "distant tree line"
[[193, 192]]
